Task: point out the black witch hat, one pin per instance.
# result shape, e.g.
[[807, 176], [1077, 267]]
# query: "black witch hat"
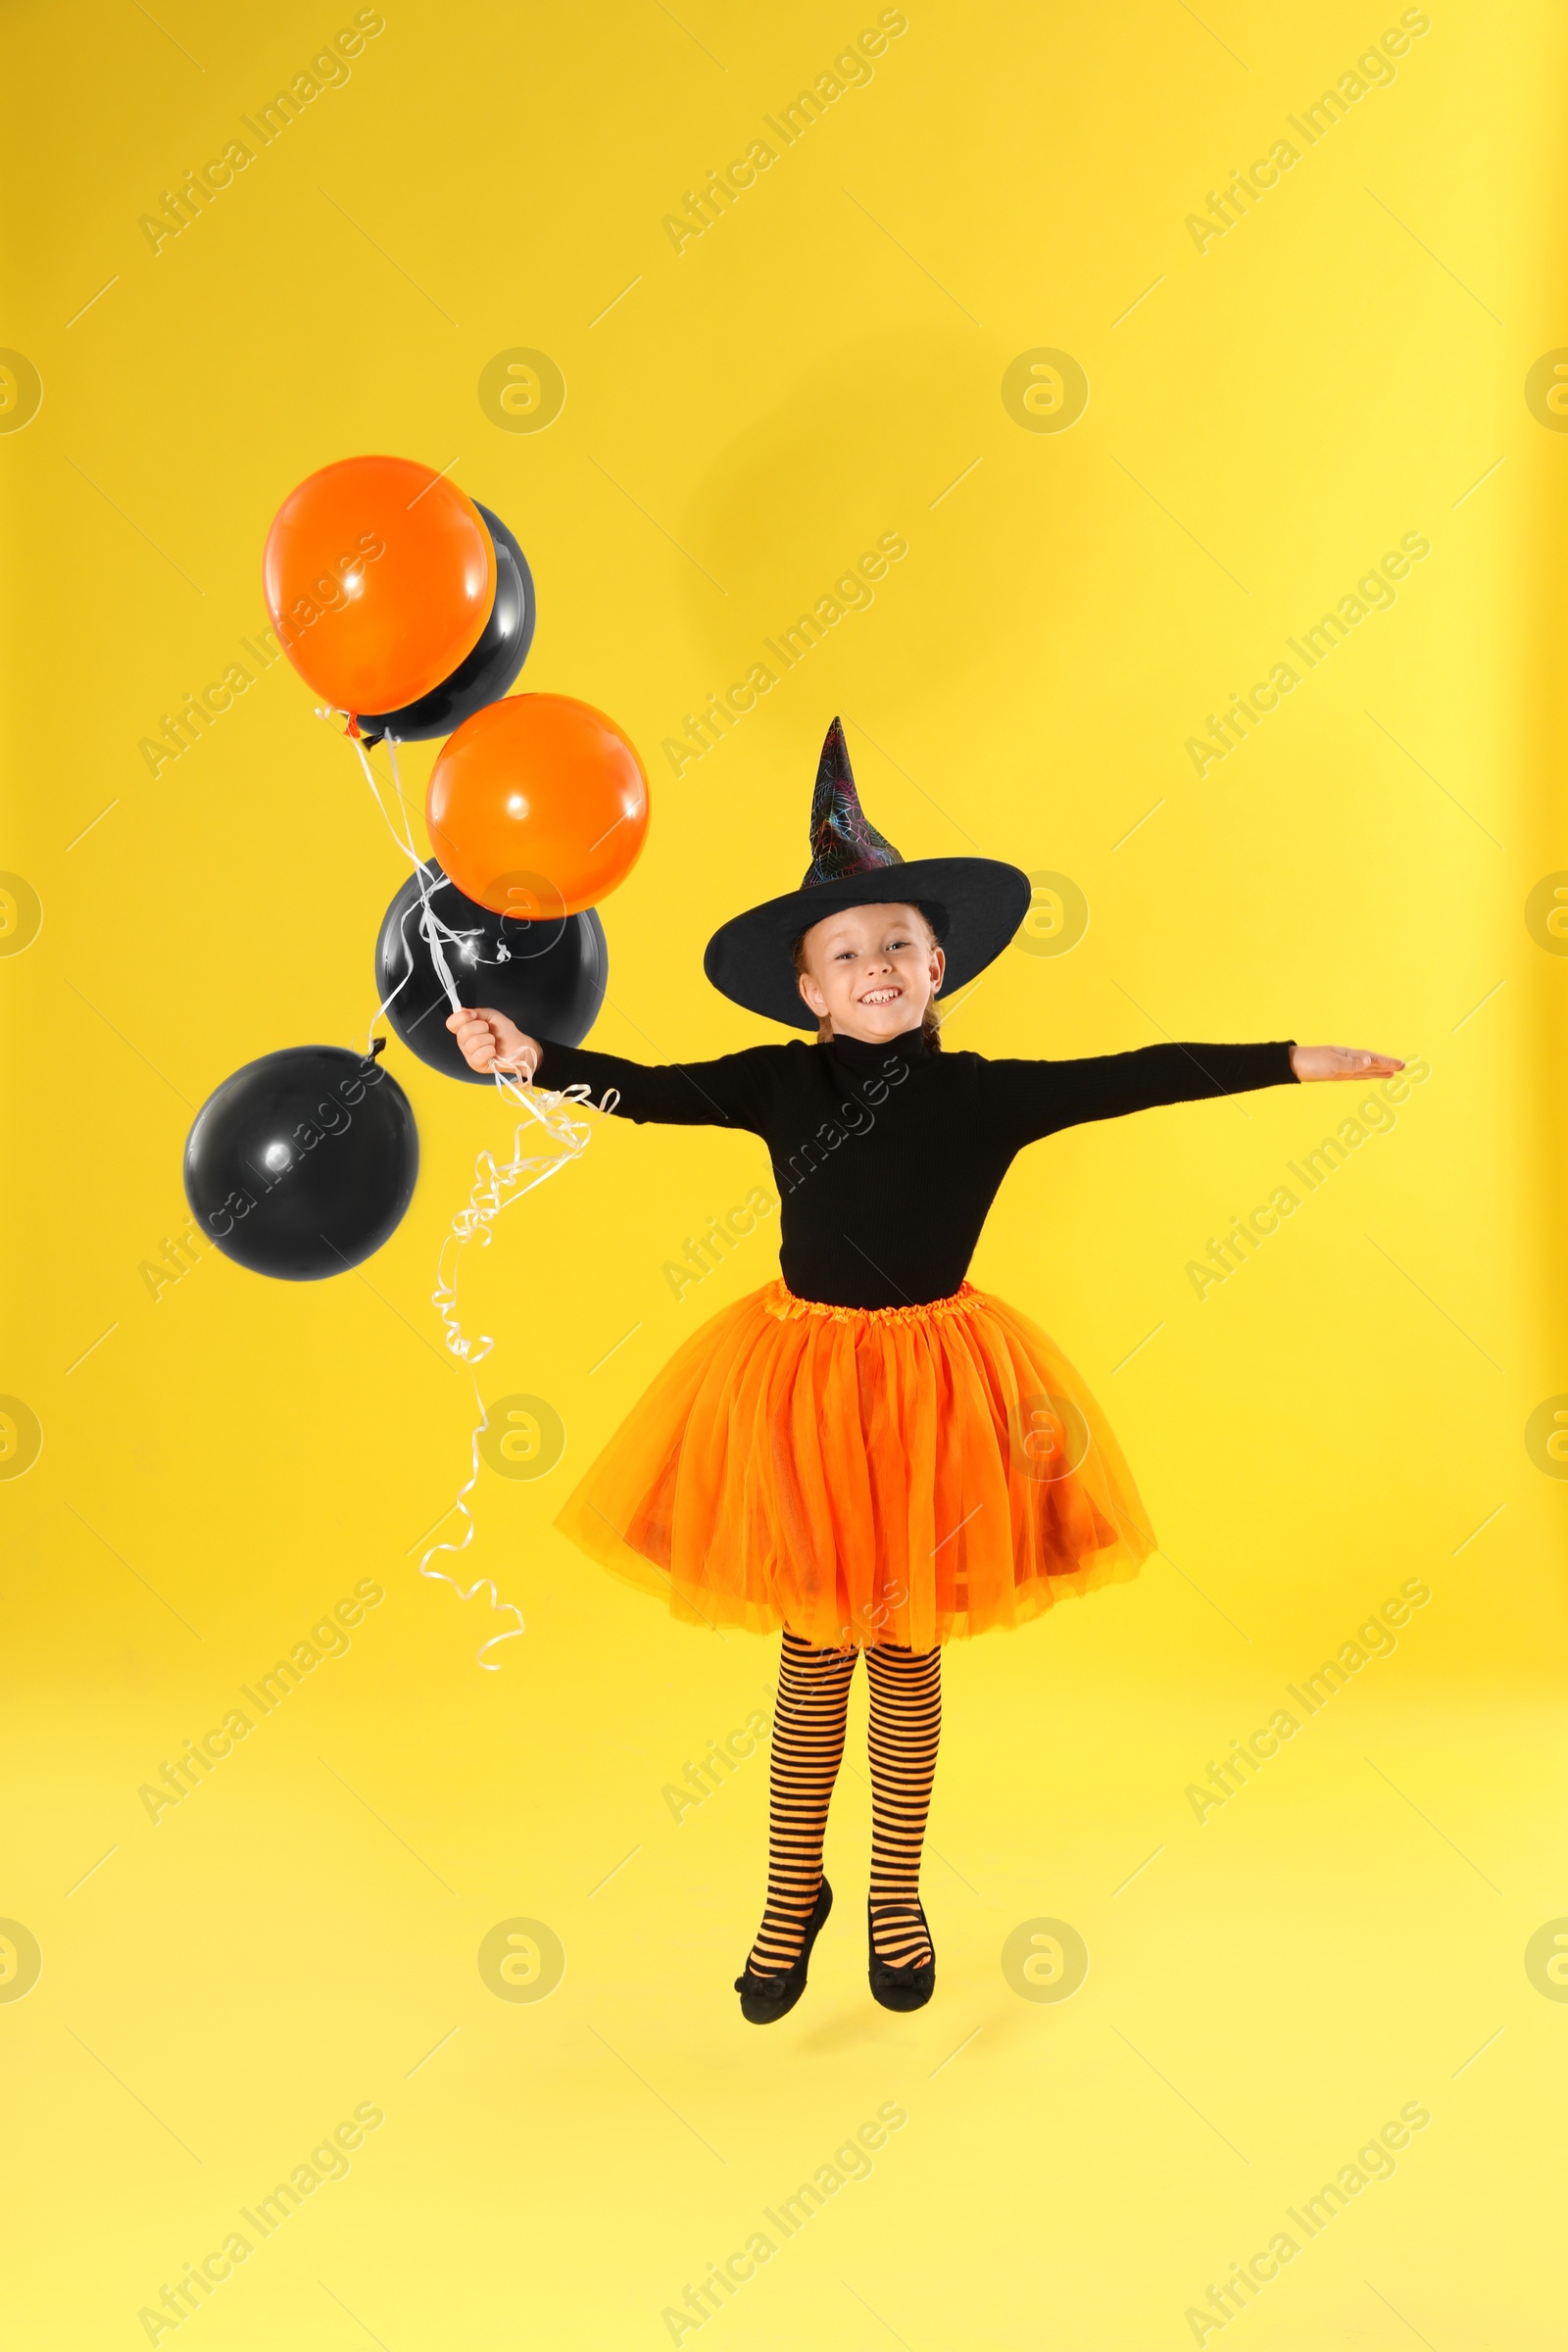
[[973, 905]]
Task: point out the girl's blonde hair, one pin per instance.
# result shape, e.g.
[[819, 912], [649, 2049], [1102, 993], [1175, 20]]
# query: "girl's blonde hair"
[[931, 1024]]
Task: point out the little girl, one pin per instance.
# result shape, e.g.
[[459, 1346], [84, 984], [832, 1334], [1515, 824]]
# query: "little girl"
[[868, 1452]]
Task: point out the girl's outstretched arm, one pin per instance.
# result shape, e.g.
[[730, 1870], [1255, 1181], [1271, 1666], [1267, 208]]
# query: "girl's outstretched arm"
[[726, 1092], [1033, 1098]]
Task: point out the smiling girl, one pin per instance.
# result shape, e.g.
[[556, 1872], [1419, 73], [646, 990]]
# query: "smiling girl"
[[870, 1454]]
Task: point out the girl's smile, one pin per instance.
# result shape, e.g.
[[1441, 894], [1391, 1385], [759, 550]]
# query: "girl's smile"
[[870, 971]]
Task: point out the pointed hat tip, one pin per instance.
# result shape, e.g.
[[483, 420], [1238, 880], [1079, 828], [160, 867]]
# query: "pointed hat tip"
[[844, 841]]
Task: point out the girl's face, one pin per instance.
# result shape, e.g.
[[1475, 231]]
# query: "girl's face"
[[871, 971]]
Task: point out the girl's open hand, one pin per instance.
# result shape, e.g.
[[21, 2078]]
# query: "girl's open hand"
[[488, 1040], [1341, 1061]]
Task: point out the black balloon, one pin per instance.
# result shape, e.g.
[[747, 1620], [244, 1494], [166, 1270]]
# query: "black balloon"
[[483, 676], [302, 1162], [549, 977]]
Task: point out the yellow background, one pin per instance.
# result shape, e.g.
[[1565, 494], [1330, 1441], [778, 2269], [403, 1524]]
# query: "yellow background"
[[221, 1464]]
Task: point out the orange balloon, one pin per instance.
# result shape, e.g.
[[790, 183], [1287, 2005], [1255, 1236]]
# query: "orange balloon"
[[379, 577], [537, 806]]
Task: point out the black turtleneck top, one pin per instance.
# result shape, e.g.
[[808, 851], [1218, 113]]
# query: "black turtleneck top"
[[887, 1157]]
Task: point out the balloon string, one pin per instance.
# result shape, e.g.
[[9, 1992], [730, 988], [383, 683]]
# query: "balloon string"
[[493, 1190], [432, 929], [436, 933], [482, 1583]]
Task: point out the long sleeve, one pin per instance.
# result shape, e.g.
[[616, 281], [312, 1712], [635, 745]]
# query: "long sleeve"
[[1026, 1100], [730, 1092]]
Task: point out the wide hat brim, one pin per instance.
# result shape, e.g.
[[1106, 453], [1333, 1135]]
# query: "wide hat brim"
[[974, 905]]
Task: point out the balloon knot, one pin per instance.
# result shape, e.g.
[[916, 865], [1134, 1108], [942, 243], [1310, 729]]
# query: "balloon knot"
[[352, 730]]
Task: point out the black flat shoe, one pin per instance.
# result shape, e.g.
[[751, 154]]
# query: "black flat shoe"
[[765, 1998], [909, 1988]]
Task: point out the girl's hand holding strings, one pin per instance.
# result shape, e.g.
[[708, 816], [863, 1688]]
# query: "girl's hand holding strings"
[[1341, 1061], [488, 1040]]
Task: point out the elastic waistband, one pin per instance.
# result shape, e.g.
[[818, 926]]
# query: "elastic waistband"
[[780, 1301]]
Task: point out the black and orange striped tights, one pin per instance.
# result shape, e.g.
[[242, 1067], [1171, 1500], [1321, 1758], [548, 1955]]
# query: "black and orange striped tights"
[[814, 1698]]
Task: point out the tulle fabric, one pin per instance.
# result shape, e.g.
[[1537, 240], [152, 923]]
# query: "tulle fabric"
[[908, 1475]]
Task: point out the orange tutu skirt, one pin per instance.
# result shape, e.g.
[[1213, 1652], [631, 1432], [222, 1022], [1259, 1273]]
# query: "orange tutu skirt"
[[862, 1475]]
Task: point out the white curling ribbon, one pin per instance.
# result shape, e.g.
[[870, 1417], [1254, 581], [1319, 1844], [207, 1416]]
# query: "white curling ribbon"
[[480, 1583], [493, 1190]]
